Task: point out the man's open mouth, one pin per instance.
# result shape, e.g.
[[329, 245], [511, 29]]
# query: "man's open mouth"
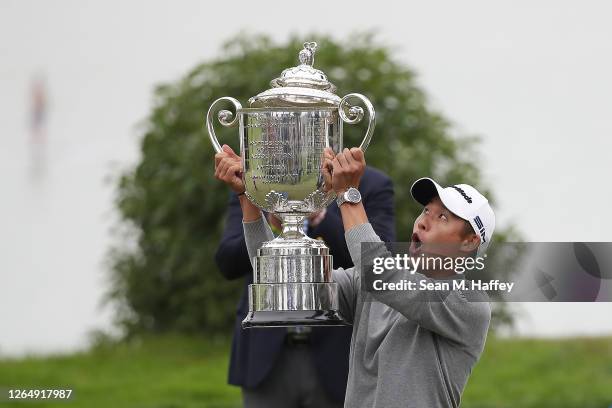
[[415, 243]]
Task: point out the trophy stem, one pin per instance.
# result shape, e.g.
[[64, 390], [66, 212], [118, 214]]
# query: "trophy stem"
[[293, 227]]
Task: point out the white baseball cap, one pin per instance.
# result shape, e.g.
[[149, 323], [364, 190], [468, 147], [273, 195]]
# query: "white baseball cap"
[[462, 200]]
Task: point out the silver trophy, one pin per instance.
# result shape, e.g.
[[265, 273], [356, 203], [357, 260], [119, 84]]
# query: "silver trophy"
[[282, 137]]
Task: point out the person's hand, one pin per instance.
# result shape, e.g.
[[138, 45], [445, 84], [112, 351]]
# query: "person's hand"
[[327, 167], [228, 168], [348, 167]]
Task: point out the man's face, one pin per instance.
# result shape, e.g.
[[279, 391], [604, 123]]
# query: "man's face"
[[437, 231]]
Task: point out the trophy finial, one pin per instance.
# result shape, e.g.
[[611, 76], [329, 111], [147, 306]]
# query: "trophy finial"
[[305, 85], [306, 56]]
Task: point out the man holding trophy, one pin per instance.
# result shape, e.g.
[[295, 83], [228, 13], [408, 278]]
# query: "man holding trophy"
[[412, 348], [407, 350]]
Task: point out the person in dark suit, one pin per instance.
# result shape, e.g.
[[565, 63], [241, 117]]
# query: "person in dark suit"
[[281, 367]]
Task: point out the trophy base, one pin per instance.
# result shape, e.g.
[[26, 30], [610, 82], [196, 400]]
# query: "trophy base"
[[287, 318], [293, 304]]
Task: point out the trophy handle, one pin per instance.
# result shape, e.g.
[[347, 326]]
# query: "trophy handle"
[[226, 118], [354, 114]]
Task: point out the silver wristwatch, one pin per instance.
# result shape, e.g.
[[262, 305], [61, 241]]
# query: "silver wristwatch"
[[352, 195]]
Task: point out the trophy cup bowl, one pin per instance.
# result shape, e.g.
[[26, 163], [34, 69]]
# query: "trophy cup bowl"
[[282, 138]]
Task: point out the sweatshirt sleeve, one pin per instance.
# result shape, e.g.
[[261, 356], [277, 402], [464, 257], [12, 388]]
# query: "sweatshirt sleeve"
[[255, 234], [232, 257], [462, 316], [348, 282]]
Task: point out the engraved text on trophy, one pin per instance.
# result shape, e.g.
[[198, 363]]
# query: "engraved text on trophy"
[[285, 149]]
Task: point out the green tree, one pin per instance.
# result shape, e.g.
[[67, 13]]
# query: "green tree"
[[175, 207]]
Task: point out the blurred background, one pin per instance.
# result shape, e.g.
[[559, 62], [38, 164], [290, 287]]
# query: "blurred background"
[[101, 99]]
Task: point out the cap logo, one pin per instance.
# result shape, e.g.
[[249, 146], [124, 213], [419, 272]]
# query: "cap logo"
[[481, 228], [460, 190]]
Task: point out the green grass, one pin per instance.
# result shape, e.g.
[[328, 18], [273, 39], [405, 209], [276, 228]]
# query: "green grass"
[[163, 372], [527, 373], [178, 371]]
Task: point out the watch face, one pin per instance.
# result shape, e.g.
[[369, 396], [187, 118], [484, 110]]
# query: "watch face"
[[353, 195]]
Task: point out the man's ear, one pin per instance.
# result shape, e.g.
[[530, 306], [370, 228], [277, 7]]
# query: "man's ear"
[[470, 243]]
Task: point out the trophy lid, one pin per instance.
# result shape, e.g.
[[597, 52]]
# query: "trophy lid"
[[303, 85]]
